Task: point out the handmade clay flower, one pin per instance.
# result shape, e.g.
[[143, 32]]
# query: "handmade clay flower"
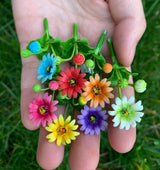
[[42, 110], [47, 67], [71, 82], [140, 86], [92, 120], [107, 68], [53, 85], [79, 59], [97, 91], [34, 47], [126, 113], [62, 130]]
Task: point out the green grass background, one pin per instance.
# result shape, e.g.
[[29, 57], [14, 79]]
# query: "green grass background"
[[18, 145]]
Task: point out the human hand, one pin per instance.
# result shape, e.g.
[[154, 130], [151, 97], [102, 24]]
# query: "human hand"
[[123, 20]]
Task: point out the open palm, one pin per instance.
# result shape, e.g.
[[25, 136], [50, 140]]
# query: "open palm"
[[92, 16]]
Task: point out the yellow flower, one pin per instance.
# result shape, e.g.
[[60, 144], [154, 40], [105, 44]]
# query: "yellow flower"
[[97, 91], [62, 130]]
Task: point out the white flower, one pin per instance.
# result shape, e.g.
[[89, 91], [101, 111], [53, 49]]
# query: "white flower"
[[140, 86], [126, 113]]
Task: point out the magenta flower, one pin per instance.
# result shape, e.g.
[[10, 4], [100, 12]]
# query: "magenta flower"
[[42, 110]]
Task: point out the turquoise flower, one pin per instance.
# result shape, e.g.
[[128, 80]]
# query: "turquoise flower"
[[34, 47], [126, 113], [47, 67]]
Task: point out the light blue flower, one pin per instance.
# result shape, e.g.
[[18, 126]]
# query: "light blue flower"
[[47, 67], [34, 47], [126, 113]]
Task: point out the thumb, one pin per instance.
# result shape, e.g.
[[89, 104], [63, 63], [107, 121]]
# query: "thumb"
[[130, 26]]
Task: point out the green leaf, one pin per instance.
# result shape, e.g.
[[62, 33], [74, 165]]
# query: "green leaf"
[[100, 59], [26, 53], [68, 43], [124, 74], [44, 41], [66, 53], [52, 40], [113, 78], [82, 41]]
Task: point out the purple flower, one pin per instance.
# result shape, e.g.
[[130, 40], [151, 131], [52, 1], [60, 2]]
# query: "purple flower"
[[92, 120]]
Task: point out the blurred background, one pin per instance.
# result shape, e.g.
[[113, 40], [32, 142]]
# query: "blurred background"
[[18, 145]]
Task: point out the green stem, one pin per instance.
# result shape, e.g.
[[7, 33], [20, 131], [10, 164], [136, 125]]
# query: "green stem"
[[53, 51], [66, 111], [75, 31], [120, 93], [132, 85], [111, 49], [70, 58], [75, 104], [99, 66], [118, 74], [45, 89], [53, 95], [100, 42], [46, 28]]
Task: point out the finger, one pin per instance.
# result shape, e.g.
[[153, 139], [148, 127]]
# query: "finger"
[[27, 31], [84, 152], [130, 26], [49, 155], [28, 79], [122, 140]]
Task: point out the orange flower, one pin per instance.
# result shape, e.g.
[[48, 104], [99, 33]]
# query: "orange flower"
[[97, 91]]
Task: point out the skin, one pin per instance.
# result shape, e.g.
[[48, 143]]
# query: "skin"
[[123, 19]]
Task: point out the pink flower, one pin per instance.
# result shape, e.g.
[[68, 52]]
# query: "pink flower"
[[53, 85], [41, 110], [71, 82]]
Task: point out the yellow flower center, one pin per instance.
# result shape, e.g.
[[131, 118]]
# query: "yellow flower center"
[[125, 113], [96, 90], [72, 82], [48, 69], [62, 130], [92, 119], [43, 109]]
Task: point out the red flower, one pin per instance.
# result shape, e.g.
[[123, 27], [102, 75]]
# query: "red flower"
[[71, 81]]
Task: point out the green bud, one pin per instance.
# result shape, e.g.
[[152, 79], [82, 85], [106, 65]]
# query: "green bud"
[[62, 96], [90, 63], [140, 86], [59, 60], [81, 101], [36, 88], [123, 83]]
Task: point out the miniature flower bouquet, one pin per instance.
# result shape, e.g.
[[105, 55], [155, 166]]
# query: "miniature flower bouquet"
[[79, 87]]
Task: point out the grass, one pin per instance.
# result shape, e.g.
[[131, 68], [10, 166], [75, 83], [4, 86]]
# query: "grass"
[[18, 145]]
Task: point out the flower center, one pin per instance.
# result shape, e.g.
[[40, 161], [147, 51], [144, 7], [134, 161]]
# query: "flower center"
[[62, 130], [96, 90], [92, 119], [72, 82], [48, 69], [125, 112], [43, 109]]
